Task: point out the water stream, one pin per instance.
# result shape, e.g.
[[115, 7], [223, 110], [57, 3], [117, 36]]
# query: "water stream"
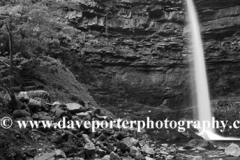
[[200, 75]]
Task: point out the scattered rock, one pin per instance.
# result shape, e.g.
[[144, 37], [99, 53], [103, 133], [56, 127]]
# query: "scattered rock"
[[169, 157], [104, 144], [35, 105], [122, 146], [101, 137], [20, 113], [89, 149], [46, 156], [57, 139], [60, 110], [100, 152], [39, 95], [106, 157], [75, 108], [120, 135], [127, 158], [233, 150], [199, 143], [60, 154], [164, 145], [194, 158], [83, 115], [23, 96], [149, 158], [148, 150], [30, 152], [41, 116], [114, 156], [134, 151], [130, 141], [181, 156]]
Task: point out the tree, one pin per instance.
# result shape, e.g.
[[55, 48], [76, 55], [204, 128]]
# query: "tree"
[[11, 23], [7, 23], [31, 28], [34, 28]]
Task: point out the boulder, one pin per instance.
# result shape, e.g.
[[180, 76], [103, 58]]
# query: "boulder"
[[134, 151], [233, 150], [20, 113], [199, 143], [7, 97], [114, 156], [190, 157], [31, 152], [41, 116], [75, 108], [45, 156], [60, 154], [106, 157], [146, 149], [86, 138], [139, 157], [89, 149], [57, 139], [56, 103], [127, 158], [164, 145], [23, 96], [60, 110], [130, 141], [15, 103], [108, 148], [149, 158], [34, 105], [170, 157], [101, 137], [84, 115], [122, 146], [120, 135], [40, 95], [100, 152]]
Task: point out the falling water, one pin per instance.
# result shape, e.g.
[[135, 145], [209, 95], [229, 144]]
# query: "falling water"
[[201, 83], [203, 100]]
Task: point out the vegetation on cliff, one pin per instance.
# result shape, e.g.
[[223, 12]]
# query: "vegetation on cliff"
[[30, 30]]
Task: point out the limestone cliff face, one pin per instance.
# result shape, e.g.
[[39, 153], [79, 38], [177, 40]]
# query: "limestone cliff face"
[[220, 22], [136, 51]]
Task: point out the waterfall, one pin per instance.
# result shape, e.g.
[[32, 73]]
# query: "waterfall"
[[200, 75]]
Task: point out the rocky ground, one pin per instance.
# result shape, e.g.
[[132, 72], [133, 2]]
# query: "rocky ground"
[[83, 144]]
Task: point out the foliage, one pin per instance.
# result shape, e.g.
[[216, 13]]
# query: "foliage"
[[37, 28]]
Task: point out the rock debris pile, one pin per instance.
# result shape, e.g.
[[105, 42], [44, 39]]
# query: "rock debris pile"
[[82, 143]]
